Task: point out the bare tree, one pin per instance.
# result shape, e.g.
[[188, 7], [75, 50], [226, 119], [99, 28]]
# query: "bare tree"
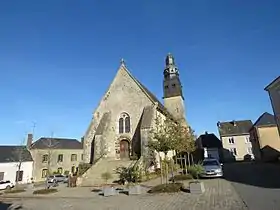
[[19, 155], [50, 144]]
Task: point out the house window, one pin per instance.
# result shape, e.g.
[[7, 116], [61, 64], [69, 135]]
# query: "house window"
[[231, 140], [2, 175], [249, 150], [233, 151], [45, 158], [59, 170], [82, 156], [247, 139], [60, 158], [124, 123], [166, 86], [73, 157], [173, 85], [19, 176], [44, 173]]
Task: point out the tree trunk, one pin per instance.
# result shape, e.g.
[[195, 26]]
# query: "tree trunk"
[[166, 168], [161, 174], [17, 174], [189, 159], [185, 163], [192, 159]]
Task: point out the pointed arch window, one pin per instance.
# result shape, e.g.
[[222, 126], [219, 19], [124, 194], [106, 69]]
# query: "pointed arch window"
[[124, 123], [127, 124], [121, 125]]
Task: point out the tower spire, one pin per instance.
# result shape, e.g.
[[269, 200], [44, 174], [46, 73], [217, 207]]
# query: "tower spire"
[[171, 69]]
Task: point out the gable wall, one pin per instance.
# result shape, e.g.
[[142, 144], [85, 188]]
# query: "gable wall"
[[124, 95]]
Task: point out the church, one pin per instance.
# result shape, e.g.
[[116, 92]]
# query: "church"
[[121, 124]]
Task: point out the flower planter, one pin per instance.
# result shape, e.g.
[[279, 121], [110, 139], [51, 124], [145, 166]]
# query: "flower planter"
[[134, 190], [109, 191], [197, 187]]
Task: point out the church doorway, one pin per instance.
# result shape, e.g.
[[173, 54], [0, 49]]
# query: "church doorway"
[[124, 149]]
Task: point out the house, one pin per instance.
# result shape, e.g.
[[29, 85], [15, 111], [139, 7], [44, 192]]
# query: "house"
[[265, 139], [209, 146], [235, 139], [121, 124], [56, 155], [273, 90], [16, 163]]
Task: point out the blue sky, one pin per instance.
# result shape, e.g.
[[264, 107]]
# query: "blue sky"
[[57, 58]]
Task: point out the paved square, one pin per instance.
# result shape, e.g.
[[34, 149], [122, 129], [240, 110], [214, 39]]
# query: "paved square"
[[219, 195]]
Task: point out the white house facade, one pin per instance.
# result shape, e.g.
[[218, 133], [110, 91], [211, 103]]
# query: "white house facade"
[[16, 164]]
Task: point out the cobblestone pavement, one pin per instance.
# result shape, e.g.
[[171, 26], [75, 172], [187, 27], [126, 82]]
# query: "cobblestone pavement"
[[219, 195], [258, 184]]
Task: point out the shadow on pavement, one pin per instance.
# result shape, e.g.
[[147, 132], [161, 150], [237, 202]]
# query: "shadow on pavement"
[[265, 175], [6, 206]]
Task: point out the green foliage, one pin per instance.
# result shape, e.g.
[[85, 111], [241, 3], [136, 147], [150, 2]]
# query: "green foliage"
[[83, 167], [129, 174], [182, 177], [45, 191], [195, 170], [106, 176], [15, 191], [166, 188], [66, 173]]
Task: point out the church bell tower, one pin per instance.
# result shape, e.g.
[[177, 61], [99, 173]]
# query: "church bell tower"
[[172, 89]]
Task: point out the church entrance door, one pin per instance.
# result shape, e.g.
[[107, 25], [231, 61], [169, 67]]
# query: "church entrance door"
[[124, 149]]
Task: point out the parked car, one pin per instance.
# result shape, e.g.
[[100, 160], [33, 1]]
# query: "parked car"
[[6, 185], [57, 178], [212, 168]]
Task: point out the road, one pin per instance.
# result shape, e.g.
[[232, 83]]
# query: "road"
[[258, 184]]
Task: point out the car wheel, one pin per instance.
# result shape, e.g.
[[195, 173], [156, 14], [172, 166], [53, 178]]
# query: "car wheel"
[[8, 187]]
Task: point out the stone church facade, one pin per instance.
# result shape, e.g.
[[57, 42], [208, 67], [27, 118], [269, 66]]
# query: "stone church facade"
[[121, 124]]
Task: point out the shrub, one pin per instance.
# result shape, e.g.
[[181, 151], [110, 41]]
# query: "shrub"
[[106, 176], [181, 177], [45, 191], [83, 167], [128, 174], [195, 170], [66, 173], [166, 188], [15, 191]]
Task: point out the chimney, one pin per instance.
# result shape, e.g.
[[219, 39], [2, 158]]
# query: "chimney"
[[29, 140], [218, 124], [206, 133]]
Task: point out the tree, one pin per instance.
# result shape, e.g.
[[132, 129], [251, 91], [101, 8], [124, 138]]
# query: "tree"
[[163, 140], [19, 155], [185, 141], [49, 144]]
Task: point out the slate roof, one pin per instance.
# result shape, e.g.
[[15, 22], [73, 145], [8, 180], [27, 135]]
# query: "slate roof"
[[265, 119], [56, 143], [209, 140], [241, 127], [14, 154]]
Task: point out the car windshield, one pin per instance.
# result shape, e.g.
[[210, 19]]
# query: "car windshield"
[[210, 163], [51, 176]]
